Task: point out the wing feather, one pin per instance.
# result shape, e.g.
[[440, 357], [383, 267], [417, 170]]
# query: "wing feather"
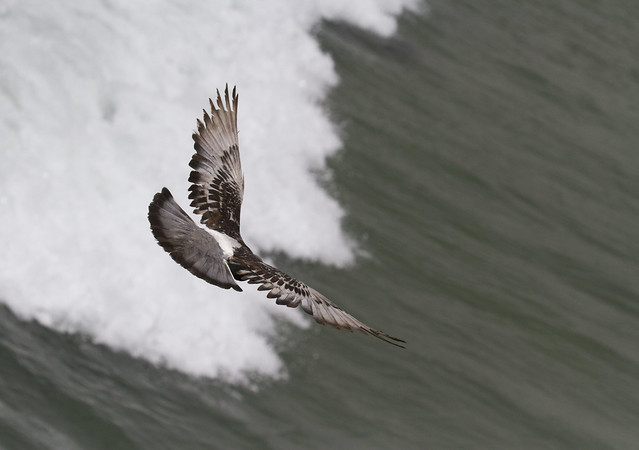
[[217, 185], [188, 244], [291, 292]]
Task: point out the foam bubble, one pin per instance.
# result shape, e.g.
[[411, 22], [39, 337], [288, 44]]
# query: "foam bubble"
[[98, 100]]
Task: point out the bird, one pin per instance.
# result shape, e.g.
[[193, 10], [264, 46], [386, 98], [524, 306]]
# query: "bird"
[[217, 253]]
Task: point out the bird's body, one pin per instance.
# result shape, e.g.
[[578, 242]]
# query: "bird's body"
[[218, 253], [227, 244]]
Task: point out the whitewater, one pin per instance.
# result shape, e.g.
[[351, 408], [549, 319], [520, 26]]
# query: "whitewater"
[[98, 100]]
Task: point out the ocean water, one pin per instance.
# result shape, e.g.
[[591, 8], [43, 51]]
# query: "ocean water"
[[462, 175], [99, 102]]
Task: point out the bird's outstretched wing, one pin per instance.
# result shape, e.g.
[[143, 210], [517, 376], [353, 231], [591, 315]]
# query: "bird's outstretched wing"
[[246, 266], [216, 192], [218, 183], [189, 245]]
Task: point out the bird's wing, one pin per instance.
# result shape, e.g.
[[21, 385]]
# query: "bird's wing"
[[288, 291], [218, 183], [189, 245]]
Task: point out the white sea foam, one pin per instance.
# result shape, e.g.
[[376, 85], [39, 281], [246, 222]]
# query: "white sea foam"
[[97, 103]]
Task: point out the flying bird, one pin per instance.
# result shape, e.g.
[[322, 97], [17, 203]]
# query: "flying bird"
[[217, 253]]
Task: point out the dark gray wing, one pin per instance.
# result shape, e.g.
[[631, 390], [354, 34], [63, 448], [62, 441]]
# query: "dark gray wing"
[[189, 245], [218, 184], [288, 291]]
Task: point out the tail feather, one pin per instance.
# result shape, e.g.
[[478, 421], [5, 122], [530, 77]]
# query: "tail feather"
[[188, 244]]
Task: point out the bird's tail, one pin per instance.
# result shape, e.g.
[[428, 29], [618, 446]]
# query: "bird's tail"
[[188, 244]]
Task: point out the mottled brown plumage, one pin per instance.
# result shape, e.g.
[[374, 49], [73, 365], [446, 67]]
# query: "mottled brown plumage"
[[219, 255]]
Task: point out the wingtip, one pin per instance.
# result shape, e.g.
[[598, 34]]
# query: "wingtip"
[[385, 337], [159, 198], [226, 97], [219, 103]]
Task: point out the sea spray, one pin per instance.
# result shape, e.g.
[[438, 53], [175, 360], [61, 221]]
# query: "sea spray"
[[98, 101]]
